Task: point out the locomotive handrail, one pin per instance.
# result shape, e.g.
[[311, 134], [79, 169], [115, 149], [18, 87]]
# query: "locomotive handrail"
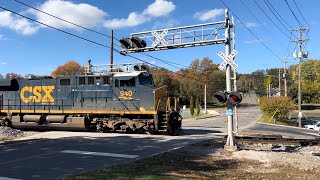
[[21, 106], [158, 104], [79, 90], [111, 68]]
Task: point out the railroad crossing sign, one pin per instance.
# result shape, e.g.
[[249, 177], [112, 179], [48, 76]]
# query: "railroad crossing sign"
[[228, 60], [159, 38]]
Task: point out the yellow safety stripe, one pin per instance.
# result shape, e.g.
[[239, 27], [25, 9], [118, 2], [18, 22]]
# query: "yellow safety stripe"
[[78, 112]]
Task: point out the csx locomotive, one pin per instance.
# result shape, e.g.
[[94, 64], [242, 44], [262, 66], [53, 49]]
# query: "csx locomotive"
[[107, 98]]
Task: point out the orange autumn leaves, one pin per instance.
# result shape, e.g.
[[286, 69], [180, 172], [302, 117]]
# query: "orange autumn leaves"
[[70, 68]]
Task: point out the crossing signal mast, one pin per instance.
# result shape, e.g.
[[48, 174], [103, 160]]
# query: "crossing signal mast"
[[179, 37], [193, 36]]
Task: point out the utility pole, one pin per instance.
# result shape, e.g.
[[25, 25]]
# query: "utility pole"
[[230, 144], [285, 76], [111, 50], [301, 55], [279, 82], [235, 88]]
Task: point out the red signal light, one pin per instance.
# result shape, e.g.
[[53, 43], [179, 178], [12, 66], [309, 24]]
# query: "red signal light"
[[235, 98]]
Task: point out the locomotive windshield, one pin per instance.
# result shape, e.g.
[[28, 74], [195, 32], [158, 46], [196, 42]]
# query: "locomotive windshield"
[[145, 79]]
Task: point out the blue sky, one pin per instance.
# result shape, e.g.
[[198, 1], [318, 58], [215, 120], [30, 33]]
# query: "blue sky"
[[27, 47]]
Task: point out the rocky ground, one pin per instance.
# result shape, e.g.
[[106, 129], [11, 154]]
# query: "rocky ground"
[[7, 133], [208, 160]]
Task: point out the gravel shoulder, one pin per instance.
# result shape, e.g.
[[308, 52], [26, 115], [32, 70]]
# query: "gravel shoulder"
[[7, 133], [208, 160]]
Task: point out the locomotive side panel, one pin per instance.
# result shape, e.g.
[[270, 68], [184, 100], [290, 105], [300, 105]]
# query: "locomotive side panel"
[[116, 101]]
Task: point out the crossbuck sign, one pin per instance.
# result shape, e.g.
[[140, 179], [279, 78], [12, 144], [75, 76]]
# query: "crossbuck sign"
[[159, 38], [228, 60]]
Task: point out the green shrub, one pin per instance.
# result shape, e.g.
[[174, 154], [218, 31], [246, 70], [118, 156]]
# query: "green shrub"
[[283, 105], [197, 107], [192, 105]]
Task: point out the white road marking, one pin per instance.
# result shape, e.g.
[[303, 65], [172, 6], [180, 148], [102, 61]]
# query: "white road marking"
[[311, 133], [100, 154], [6, 178]]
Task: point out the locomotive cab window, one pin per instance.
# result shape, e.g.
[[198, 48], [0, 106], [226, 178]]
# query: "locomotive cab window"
[[145, 79], [82, 81], [65, 82], [90, 80], [105, 80], [128, 83]]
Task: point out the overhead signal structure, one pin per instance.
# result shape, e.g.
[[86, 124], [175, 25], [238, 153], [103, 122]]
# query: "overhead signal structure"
[[190, 36]]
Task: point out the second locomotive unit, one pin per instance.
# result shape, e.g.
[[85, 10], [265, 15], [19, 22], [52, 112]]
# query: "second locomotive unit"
[[107, 98]]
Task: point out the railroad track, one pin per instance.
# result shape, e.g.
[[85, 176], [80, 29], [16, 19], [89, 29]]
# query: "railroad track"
[[272, 142]]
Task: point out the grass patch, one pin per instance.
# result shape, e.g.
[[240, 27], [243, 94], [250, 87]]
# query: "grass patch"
[[307, 113], [3, 138], [267, 119], [195, 162]]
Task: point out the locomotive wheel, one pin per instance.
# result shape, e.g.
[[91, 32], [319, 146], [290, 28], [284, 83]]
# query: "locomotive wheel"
[[99, 127]]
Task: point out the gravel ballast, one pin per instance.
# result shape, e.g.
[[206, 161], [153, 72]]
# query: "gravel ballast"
[[10, 133]]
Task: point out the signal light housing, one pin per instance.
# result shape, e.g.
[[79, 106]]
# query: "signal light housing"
[[221, 97], [138, 43], [234, 98], [125, 43], [134, 42]]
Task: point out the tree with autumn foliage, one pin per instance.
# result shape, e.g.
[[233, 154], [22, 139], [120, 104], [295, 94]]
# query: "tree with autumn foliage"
[[70, 68], [13, 75], [310, 81]]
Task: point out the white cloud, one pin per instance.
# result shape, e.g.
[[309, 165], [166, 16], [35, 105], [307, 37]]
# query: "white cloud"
[[208, 15], [165, 24], [20, 25], [153, 62], [159, 8], [252, 24], [3, 63], [133, 19], [81, 14]]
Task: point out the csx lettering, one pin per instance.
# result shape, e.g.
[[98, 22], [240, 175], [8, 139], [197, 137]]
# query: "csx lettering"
[[36, 95]]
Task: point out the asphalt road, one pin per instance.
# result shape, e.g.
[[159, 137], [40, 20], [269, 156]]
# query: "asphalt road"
[[57, 154], [285, 131]]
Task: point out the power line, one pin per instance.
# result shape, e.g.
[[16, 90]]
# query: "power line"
[[91, 30], [116, 50], [293, 14], [288, 47], [272, 11], [85, 39], [62, 19], [252, 32], [255, 17], [300, 13], [279, 14], [270, 18]]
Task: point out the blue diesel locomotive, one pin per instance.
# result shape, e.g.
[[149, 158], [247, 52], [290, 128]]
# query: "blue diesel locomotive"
[[106, 98]]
